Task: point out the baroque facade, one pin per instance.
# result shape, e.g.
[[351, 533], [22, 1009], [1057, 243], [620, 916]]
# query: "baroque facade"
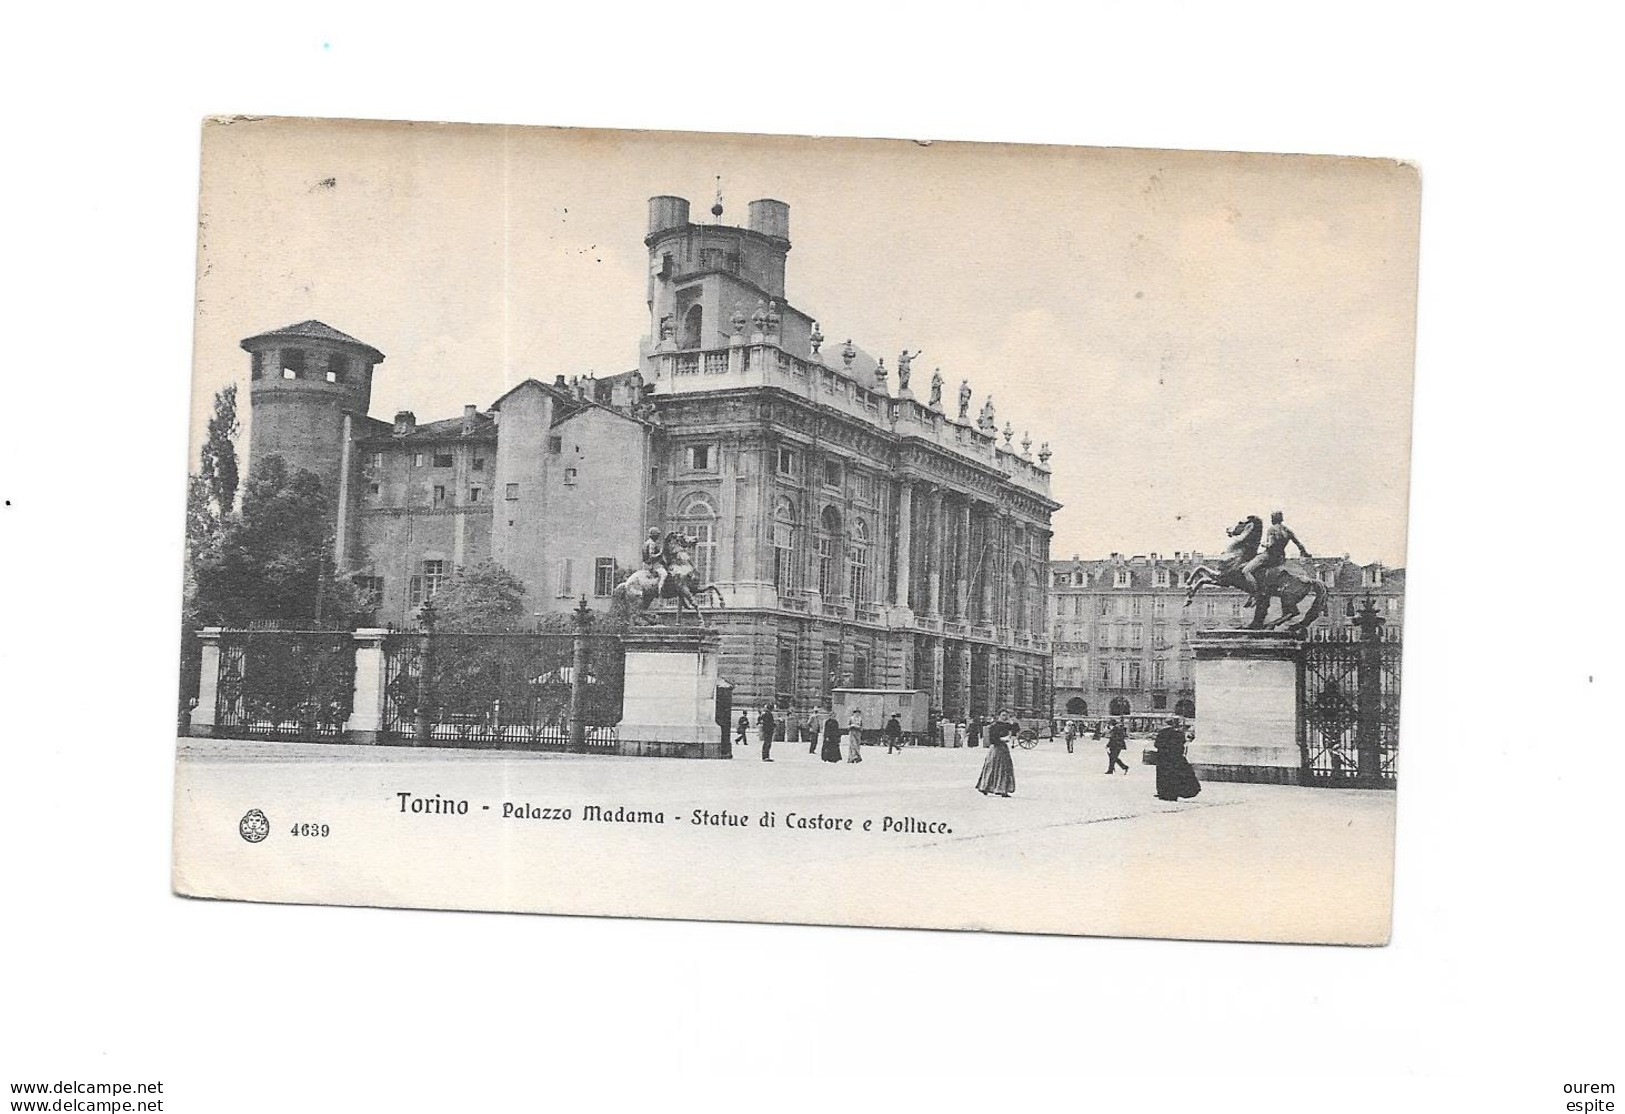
[[1122, 635], [861, 536]]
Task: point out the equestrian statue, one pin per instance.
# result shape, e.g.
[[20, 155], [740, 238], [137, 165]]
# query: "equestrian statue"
[[1260, 571], [667, 573]]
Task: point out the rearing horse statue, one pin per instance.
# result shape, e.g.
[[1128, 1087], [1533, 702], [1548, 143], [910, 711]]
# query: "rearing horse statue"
[[632, 597], [1277, 583]]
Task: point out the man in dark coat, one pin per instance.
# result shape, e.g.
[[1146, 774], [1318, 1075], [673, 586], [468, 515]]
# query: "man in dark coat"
[[742, 729], [1114, 748], [765, 723], [894, 734]]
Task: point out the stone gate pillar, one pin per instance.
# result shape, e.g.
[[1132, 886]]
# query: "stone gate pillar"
[[1247, 706], [208, 683], [366, 722]]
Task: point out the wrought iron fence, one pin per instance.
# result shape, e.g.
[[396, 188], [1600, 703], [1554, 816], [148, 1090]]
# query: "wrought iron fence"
[[278, 684], [1349, 696], [500, 690]]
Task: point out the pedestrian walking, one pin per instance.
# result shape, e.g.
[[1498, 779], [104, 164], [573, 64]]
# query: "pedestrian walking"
[[766, 725], [830, 751], [998, 771], [1175, 778], [854, 736], [742, 730], [1115, 744], [1071, 734], [813, 726], [894, 734]]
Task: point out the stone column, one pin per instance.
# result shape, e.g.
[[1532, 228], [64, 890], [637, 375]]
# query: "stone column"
[[933, 556], [962, 580], [728, 523], [366, 722], [936, 674], [208, 682], [963, 696], [905, 512]]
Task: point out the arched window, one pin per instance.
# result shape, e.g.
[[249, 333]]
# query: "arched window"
[[698, 519], [693, 327], [858, 561], [1077, 706], [829, 553], [784, 545], [1120, 706]]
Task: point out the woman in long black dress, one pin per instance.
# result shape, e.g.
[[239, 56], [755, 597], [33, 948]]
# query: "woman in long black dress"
[[998, 772], [830, 751], [1175, 778]]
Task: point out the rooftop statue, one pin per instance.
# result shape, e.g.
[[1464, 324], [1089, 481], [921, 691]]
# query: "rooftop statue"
[[986, 421], [1263, 575], [964, 400], [936, 389], [904, 361]]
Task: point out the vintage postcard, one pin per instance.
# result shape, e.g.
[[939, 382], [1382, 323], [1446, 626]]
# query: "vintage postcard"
[[1023, 551]]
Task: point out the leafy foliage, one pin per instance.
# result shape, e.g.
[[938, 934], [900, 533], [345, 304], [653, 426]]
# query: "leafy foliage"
[[482, 598], [274, 560]]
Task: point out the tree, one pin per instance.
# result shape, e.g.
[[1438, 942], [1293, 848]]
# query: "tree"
[[211, 494], [274, 559], [217, 464], [479, 599]]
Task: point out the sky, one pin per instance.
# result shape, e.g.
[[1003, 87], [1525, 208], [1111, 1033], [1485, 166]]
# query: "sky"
[[1198, 336]]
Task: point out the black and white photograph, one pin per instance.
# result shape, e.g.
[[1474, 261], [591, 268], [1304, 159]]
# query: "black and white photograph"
[[810, 559], [1007, 537]]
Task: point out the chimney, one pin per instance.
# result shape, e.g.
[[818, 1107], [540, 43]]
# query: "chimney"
[[470, 412], [558, 381], [405, 422]]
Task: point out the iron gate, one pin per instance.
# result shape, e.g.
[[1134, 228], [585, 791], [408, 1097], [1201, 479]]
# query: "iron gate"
[[285, 684], [1348, 694], [500, 690]]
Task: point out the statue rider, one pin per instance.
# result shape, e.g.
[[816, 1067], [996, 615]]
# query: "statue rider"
[[1272, 555], [654, 559]]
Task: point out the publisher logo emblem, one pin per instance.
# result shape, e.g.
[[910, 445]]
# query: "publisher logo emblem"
[[254, 826]]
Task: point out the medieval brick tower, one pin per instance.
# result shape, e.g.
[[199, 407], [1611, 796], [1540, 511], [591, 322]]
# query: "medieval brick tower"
[[308, 380]]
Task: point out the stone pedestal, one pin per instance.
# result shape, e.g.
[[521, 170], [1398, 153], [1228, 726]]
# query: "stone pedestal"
[[201, 722], [669, 707], [366, 722], [1247, 706]]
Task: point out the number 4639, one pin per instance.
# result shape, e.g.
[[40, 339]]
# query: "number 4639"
[[317, 830]]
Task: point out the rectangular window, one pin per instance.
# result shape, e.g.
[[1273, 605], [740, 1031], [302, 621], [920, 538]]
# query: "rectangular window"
[[442, 460], [378, 460], [371, 589], [860, 669], [562, 578], [335, 367], [1159, 578], [417, 460], [511, 492], [603, 576], [1134, 605], [1133, 675], [705, 549], [1120, 579], [473, 495], [1371, 577], [863, 487], [555, 445], [1105, 606], [1158, 673], [570, 476], [479, 464], [827, 563], [698, 458], [1159, 606], [439, 494], [1136, 635], [293, 364], [784, 578], [832, 473], [785, 464], [434, 575]]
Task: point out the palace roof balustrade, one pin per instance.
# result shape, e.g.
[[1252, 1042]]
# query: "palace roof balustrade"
[[764, 364]]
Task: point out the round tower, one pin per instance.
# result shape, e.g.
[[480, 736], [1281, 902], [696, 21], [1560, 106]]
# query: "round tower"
[[305, 379]]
